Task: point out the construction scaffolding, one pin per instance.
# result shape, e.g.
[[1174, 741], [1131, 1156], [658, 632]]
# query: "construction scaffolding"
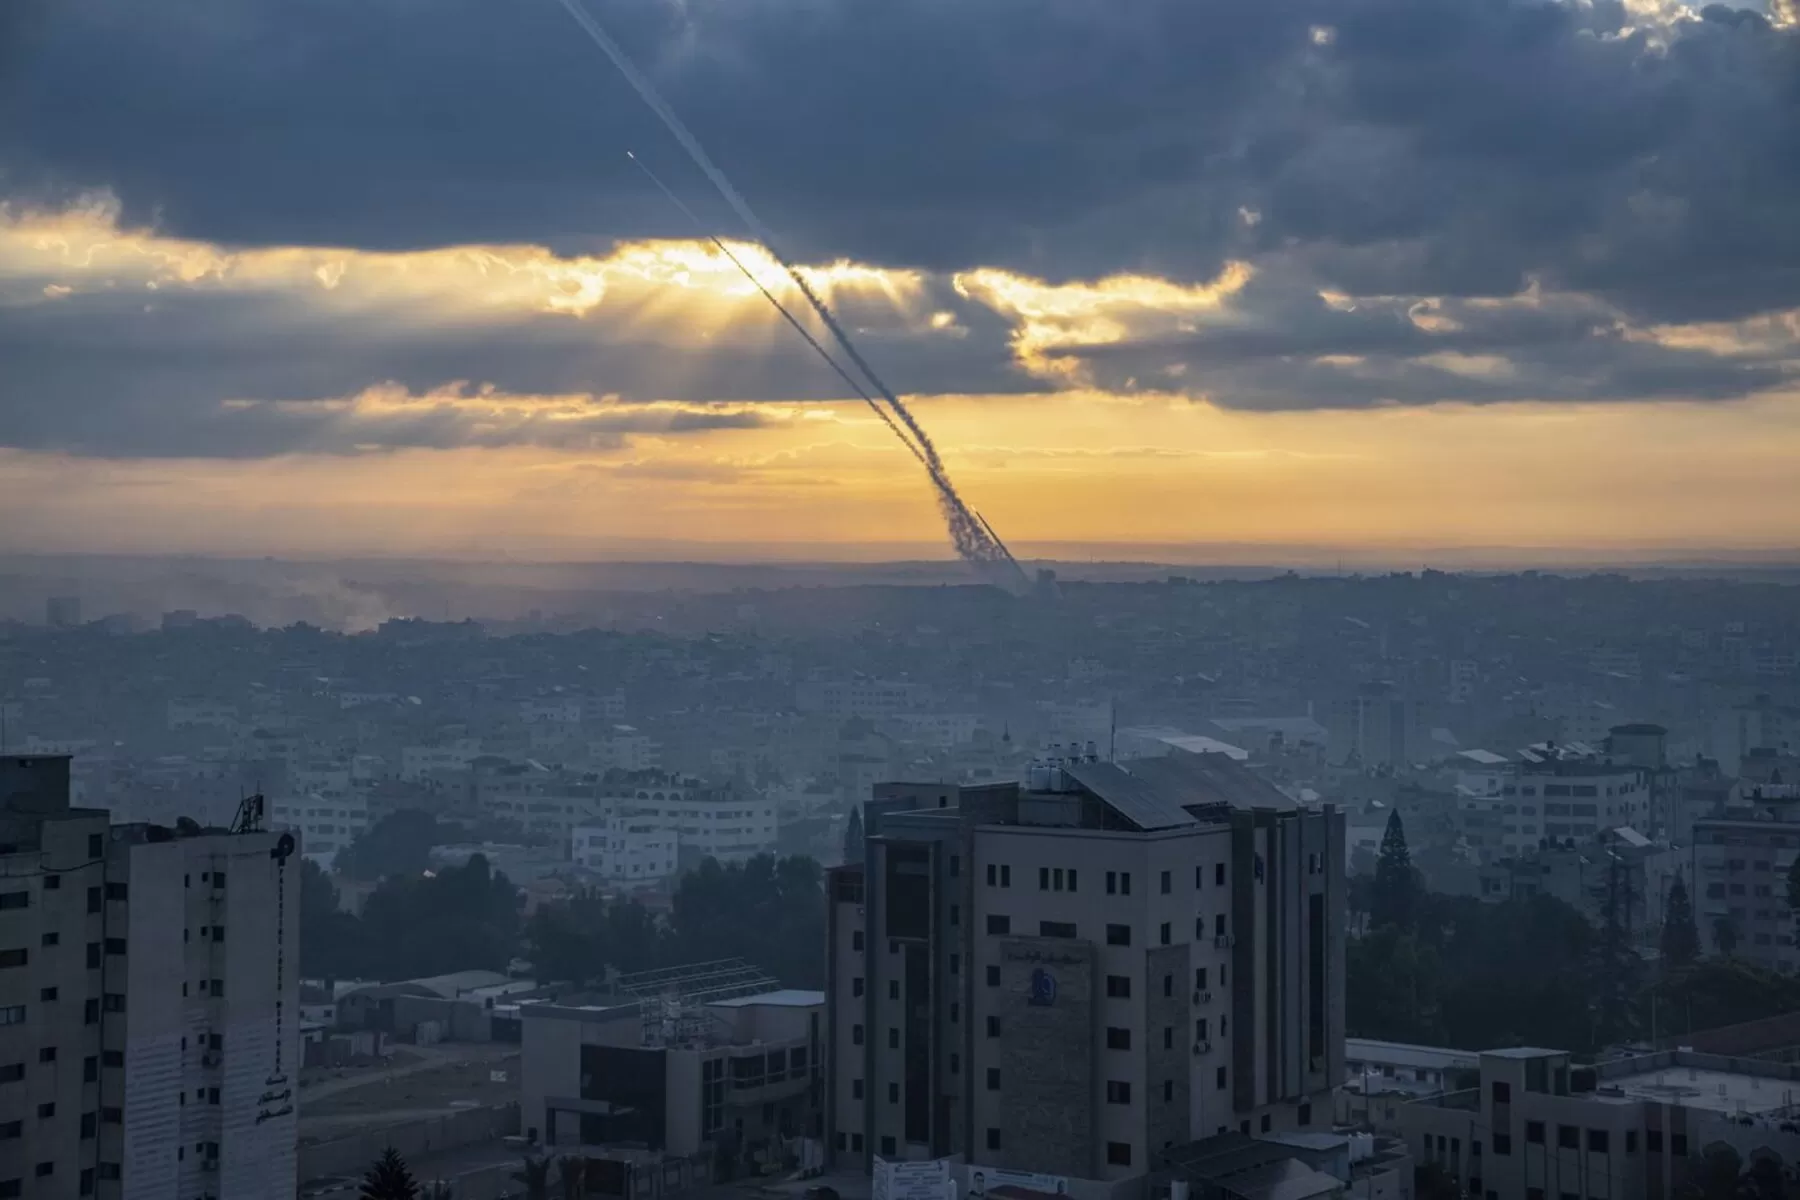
[[672, 1000]]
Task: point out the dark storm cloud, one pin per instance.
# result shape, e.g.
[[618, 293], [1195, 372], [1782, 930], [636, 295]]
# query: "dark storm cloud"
[[1423, 146]]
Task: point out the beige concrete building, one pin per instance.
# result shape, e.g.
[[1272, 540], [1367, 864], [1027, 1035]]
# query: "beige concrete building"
[[1073, 975], [149, 1017], [1541, 1128]]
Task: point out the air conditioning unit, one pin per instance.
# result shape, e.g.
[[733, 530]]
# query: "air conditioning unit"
[[1224, 941], [210, 1059], [1197, 999], [209, 1164], [1206, 997], [1202, 1047]]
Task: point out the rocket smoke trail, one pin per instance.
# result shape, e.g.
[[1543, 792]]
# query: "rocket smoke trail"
[[781, 308], [973, 542]]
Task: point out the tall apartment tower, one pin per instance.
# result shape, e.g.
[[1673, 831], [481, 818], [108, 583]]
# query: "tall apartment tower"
[[148, 1002], [1071, 975]]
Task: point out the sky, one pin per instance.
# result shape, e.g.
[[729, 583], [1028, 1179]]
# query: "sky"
[[1314, 277]]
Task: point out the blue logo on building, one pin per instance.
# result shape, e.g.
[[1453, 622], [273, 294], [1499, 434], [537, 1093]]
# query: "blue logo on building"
[[1043, 988]]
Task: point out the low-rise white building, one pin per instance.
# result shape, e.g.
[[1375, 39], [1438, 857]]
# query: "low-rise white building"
[[625, 850], [326, 826], [421, 762]]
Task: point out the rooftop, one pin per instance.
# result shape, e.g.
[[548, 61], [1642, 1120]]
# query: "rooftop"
[[781, 998]]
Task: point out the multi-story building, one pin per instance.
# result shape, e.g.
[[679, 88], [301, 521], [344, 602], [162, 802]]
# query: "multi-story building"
[[1540, 1128], [626, 850], [149, 1032], [723, 821], [1071, 975], [1578, 798], [1741, 859], [326, 825]]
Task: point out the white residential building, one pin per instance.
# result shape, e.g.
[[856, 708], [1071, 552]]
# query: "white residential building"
[[422, 762], [724, 822], [325, 825], [626, 850], [153, 1012], [625, 748], [869, 698]]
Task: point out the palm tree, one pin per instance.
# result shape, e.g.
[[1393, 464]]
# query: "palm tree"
[[388, 1179], [535, 1175], [571, 1172]]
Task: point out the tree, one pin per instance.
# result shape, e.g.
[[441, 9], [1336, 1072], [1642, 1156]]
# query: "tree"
[[1392, 987], [1618, 968], [331, 940], [1680, 936], [398, 844], [1725, 936], [534, 1174], [462, 918], [579, 938], [853, 837], [1395, 897], [768, 911], [388, 1179], [1715, 1176], [1431, 1181]]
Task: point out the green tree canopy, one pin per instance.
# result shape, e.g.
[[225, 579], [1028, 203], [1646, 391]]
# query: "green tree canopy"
[[398, 844], [389, 1179], [331, 940], [1680, 936], [462, 918], [769, 911], [853, 836], [577, 939], [1394, 900]]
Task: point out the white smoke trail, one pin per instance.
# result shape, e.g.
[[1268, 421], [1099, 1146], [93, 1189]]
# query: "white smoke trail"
[[970, 538]]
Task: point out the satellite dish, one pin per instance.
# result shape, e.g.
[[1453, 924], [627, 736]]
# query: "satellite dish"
[[284, 848]]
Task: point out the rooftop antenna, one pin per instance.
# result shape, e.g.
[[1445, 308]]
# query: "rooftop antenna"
[[1112, 734]]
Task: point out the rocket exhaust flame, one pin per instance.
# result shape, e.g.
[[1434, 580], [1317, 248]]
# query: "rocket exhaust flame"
[[973, 541]]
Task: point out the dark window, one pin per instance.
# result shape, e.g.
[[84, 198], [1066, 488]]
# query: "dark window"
[[887, 1145], [112, 1058], [1219, 1078], [1596, 1140], [1005, 875], [47, 1054], [999, 925], [15, 900], [1118, 935], [856, 986], [1112, 883], [893, 989], [118, 891], [1168, 1037], [1502, 1092], [51, 939], [856, 940], [1124, 883], [1678, 1145], [94, 900], [993, 875], [1219, 875], [1653, 1140], [1534, 1133], [1056, 929], [893, 1037], [955, 865], [893, 1093], [90, 1123], [1117, 1038], [856, 1089], [1503, 1143], [90, 1070], [1168, 883], [1043, 879], [1199, 979], [93, 955], [955, 1063], [1118, 1154], [1199, 877], [1631, 1141], [1265, 1122], [90, 1011], [12, 1072], [856, 1035], [993, 976], [47, 994], [1304, 1115], [1118, 987], [45, 1169], [115, 945], [113, 1002], [1118, 1091], [114, 1116], [993, 1138], [1568, 1137], [956, 964], [1072, 879], [53, 883], [1168, 985], [993, 1027], [1167, 934], [993, 1079], [1168, 1091], [87, 1181], [12, 1187]]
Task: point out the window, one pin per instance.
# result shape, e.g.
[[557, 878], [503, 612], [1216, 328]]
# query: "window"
[[1199, 876], [50, 939], [14, 958], [1503, 1143], [1199, 979], [112, 1058], [46, 1110], [1596, 1141], [993, 1079], [1124, 883], [993, 1138], [12, 1014], [1200, 1029], [93, 956], [47, 1054], [956, 964], [856, 986], [1168, 882], [1653, 1141], [1072, 879], [15, 900], [12, 1072], [113, 1002], [856, 940], [118, 891], [893, 989], [1502, 1092], [1219, 875], [993, 1027], [95, 846], [955, 1063], [1167, 934], [993, 875], [1118, 1154], [993, 976], [1168, 985], [956, 914], [1568, 1137], [1265, 1122], [114, 1116], [1168, 1091], [1678, 1145], [90, 1123], [856, 1142], [1118, 1091], [1112, 883], [1117, 1038], [47, 994], [955, 865], [1118, 935], [12, 1187], [1118, 987], [955, 1012], [1219, 1078], [1534, 1133], [999, 925], [893, 1093], [1043, 879], [93, 900], [87, 1181], [893, 1037], [856, 1089], [1304, 1115], [90, 1069], [1005, 876], [1219, 931], [1631, 1141], [115, 945], [1056, 929], [1168, 1037], [856, 1035]]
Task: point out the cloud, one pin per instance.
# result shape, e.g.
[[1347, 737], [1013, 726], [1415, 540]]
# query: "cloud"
[[1640, 151]]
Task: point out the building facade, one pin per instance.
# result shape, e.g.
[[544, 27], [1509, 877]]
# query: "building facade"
[[149, 1002], [1073, 974]]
